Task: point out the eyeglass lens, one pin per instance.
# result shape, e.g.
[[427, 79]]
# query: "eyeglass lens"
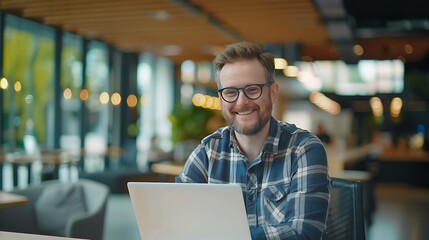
[[252, 92]]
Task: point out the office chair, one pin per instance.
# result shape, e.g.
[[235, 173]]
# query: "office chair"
[[75, 210], [346, 218]]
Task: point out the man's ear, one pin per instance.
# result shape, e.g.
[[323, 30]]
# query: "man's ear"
[[274, 92]]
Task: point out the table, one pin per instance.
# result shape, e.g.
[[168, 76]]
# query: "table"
[[404, 167], [353, 175], [48, 159], [8, 200], [168, 168], [25, 236]]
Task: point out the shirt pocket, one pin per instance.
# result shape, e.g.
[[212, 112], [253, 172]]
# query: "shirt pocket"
[[274, 203]]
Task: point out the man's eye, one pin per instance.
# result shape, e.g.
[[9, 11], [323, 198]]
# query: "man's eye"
[[252, 89], [230, 92]]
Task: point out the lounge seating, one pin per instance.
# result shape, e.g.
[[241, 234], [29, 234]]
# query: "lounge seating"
[[56, 208]]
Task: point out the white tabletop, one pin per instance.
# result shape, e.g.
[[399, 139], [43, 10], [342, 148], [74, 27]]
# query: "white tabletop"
[[22, 236]]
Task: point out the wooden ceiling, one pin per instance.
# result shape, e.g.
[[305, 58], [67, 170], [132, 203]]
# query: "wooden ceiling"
[[169, 28], [197, 29]]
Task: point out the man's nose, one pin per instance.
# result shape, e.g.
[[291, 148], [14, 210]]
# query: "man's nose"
[[242, 98]]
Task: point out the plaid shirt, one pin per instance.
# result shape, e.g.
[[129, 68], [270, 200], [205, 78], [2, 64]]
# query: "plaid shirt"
[[286, 189]]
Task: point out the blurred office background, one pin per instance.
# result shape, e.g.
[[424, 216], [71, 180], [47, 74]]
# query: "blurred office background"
[[105, 89]]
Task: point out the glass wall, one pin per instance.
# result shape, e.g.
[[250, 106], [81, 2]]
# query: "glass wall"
[[96, 106], [28, 69], [71, 85], [156, 88], [98, 85]]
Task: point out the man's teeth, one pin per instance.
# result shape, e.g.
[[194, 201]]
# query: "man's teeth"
[[245, 113]]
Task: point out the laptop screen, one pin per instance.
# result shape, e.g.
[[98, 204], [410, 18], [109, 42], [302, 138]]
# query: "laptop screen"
[[189, 211]]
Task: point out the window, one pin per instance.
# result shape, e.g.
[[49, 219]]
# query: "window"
[[71, 85], [28, 67]]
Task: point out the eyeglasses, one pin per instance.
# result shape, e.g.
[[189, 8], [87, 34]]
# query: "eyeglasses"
[[253, 92]]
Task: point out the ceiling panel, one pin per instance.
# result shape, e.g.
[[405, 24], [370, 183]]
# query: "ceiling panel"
[[196, 29]]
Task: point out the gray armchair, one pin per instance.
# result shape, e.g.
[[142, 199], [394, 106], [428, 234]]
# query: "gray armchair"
[[55, 208]]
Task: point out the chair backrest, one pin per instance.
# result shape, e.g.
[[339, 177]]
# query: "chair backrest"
[[39, 216], [92, 226], [346, 218]]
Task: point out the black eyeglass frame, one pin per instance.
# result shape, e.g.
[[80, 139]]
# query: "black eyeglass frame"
[[261, 86]]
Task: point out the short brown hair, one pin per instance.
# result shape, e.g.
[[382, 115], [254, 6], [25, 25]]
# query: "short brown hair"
[[244, 50]]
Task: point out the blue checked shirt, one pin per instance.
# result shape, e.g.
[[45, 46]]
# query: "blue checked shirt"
[[286, 189]]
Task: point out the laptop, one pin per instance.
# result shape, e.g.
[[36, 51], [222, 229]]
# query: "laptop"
[[187, 211]]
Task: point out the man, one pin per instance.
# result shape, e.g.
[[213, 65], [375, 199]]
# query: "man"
[[322, 134], [282, 169]]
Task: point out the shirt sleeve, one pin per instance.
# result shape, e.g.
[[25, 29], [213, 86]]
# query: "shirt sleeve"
[[308, 199], [195, 170]]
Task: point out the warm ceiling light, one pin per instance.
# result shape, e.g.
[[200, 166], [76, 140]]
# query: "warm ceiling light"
[[67, 94], [84, 95], [4, 83], [291, 71], [376, 106], [17, 86], [104, 98], [325, 103], [198, 100], [408, 49], [208, 103], [358, 50], [395, 107], [116, 99], [217, 104], [132, 100], [280, 63]]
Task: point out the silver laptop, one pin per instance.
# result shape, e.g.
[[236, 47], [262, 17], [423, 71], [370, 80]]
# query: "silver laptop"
[[176, 211]]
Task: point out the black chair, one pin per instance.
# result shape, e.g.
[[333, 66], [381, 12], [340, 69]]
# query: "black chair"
[[346, 219]]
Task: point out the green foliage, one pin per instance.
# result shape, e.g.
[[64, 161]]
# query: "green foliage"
[[190, 122]]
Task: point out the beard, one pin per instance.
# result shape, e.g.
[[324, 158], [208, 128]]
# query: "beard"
[[246, 130]]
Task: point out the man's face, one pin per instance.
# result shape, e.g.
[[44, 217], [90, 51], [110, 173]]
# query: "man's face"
[[247, 116]]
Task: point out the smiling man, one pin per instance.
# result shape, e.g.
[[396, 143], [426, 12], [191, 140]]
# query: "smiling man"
[[282, 169]]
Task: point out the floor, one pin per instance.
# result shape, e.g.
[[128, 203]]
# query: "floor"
[[120, 220], [401, 214]]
